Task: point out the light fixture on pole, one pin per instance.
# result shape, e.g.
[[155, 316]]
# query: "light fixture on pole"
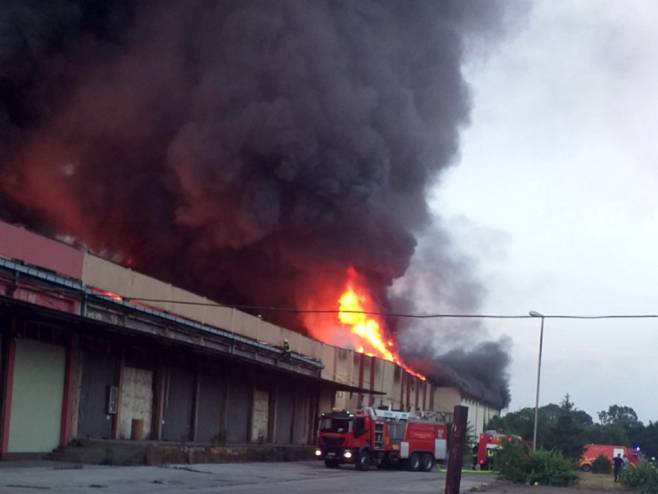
[[533, 313]]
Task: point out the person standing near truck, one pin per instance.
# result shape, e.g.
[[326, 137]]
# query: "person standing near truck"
[[618, 465]]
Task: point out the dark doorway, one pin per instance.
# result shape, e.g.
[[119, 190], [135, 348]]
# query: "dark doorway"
[[285, 405], [237, 413], [211, 400], [98, 375], [178, 410]]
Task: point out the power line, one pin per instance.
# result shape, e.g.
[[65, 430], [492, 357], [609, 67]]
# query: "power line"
[[266, 308], [401, 315]]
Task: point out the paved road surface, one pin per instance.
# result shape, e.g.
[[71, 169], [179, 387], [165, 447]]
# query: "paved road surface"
[[244, 478]]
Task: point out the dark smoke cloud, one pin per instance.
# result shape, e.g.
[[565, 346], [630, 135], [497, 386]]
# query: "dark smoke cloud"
[[251, 151], [442, 279], [481, 371]]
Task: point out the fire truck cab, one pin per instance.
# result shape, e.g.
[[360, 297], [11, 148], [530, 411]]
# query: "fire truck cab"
[[488, 445], [380, 437]]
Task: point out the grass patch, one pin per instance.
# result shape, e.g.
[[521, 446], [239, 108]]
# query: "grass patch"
[[598, 482]]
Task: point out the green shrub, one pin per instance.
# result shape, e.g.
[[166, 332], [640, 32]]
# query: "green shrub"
[[551, 468], [643, 477], [513, 461], [517, 464], [601, 464]]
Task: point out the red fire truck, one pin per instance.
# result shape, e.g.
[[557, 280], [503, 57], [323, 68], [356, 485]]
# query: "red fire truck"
[[384, 438], [610, 451], [488, 444]]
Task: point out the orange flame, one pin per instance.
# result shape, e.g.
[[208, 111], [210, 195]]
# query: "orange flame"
[[369, 331]]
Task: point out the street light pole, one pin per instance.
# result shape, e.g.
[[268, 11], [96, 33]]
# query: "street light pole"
[[541, 344]]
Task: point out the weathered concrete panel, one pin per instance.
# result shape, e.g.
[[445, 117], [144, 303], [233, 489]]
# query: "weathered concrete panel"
[[36, 406], [136, 400], [260, 416]]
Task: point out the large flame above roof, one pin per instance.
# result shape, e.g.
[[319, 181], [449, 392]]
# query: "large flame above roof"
[[358, 325]]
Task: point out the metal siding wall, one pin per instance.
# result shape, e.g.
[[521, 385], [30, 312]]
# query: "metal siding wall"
[[178, 411], [36, 407], [284, 415], [237, 415], [97, 376], [211, 400]]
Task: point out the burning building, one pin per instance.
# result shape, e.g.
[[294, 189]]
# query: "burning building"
[[93, 351], [265, 154]]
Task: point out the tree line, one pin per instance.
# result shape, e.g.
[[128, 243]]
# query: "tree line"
[[567, 429]]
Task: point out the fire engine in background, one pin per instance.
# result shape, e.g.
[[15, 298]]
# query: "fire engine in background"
[[384, 438], [610, 451], [488, 444]]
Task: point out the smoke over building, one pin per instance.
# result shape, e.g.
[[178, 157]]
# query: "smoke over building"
[[250, 151]]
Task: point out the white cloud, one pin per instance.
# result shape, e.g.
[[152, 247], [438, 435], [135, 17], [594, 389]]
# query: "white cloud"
[[561, 157]]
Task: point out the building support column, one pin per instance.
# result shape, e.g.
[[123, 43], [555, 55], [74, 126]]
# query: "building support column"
[[67, 396], [408, 379], [371, 399], [417, 399], [432, 391], [160, 377], [9, 349], [116, 422], [359, 400], [195, 403]]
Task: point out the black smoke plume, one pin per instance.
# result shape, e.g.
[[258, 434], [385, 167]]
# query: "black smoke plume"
[[443, 279], [248, 150]]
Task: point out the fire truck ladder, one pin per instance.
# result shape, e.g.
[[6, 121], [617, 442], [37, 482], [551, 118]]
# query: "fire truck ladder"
[[379, 436]]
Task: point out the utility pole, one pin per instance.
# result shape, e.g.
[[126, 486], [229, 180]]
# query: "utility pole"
[[541, 345], [456, 450]]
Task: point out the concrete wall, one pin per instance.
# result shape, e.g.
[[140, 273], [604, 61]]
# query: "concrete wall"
[[105, 275], [479, 414], [446, 399]]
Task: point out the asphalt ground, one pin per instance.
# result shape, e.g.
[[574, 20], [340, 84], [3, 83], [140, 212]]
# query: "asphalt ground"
[[243, 478]]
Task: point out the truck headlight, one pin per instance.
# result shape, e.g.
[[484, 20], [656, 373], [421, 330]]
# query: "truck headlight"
[[347, 454], [318, 452]]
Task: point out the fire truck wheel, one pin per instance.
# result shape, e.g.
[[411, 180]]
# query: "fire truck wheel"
[[414, 462], [427, 463], [331, 463], [363, 460]]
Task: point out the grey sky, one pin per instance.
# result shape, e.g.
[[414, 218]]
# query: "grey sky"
[[554, 196]]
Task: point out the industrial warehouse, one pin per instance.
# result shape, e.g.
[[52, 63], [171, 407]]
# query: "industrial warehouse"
[[94, 353]]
